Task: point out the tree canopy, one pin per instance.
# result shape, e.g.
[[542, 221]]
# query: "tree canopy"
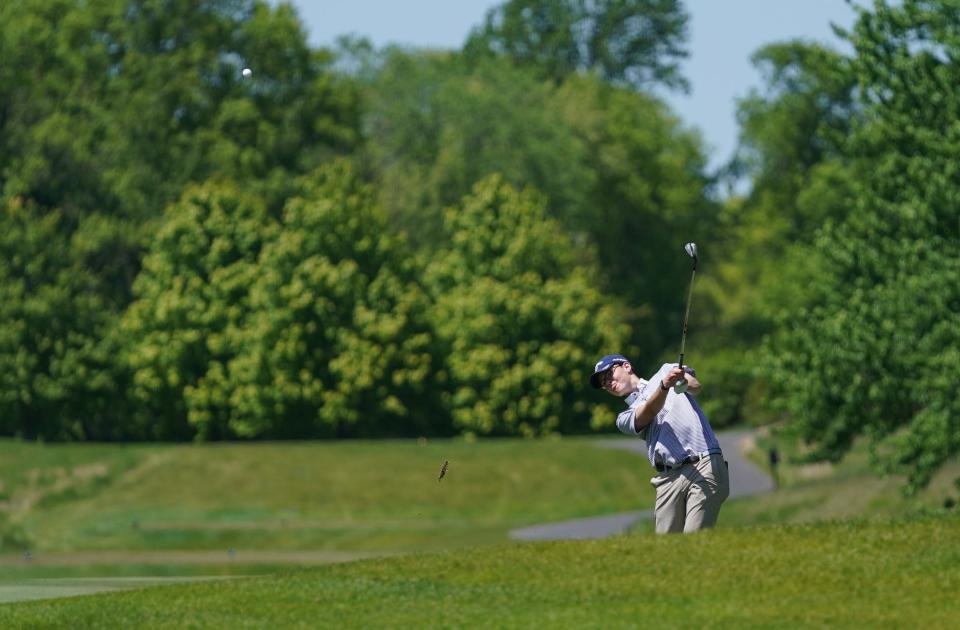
[[58, 378], [873, 352], [630, 42], [518, 318], [310, 325], [114, 106], [617, 169]]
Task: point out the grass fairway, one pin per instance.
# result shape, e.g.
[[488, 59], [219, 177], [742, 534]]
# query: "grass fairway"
[[863, 574], [378, 497], [851, 488]]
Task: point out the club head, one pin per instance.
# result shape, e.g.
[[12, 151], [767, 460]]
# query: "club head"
[[691, 249]]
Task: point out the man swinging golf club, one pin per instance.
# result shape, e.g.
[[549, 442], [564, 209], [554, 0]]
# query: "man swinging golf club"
[[691, 481]]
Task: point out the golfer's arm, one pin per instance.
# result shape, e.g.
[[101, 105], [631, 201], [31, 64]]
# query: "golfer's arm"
[[645, 414], [693, 385]]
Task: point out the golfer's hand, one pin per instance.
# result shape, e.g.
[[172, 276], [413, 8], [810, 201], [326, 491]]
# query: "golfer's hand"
[[674, 376]]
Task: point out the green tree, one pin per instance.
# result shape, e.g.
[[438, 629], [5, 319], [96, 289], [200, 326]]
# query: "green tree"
[[437, 127], [648, 195], [793, 134], [192, 304], [110, 109], [338, 342], [632, 42], [114, 106], [307, 326], [520, 317], [58, 378], [875, 350], [618, 170]]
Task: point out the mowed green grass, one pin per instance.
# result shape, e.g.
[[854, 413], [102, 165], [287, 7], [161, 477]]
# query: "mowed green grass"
[[851, 488], [380, 496], [850, 574]]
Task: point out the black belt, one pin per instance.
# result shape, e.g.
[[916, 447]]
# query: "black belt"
[[692, 459]]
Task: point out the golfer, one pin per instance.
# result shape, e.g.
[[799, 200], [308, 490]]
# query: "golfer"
[[691, 480]]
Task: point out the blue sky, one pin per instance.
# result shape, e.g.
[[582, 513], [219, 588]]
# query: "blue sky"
[[723, 34]]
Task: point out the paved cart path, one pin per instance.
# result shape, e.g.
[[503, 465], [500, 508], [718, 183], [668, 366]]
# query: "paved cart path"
[[746, 479]]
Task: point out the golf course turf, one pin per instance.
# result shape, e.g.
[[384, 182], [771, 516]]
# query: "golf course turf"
[[850, 574], [154, 523]]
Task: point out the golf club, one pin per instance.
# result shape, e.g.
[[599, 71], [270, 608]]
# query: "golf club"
[[691, 249]]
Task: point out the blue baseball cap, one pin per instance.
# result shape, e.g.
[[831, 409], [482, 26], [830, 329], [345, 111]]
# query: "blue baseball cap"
[[605, 364]]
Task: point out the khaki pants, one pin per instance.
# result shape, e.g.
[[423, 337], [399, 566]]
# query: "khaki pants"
[[689, 497]]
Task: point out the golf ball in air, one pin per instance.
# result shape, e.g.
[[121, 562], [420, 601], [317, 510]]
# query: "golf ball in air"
[[247, 72]]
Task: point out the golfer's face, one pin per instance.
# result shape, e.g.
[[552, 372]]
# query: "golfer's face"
[[616, 380]]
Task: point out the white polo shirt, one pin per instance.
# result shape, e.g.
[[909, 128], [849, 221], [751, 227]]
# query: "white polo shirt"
[[679, 431]]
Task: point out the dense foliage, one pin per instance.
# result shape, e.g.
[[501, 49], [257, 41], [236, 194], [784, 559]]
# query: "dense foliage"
[[618, 170], [108, 111], [518, 317], [793, 134], [58, 378], [310, 325], [876, 351], [632, 42]]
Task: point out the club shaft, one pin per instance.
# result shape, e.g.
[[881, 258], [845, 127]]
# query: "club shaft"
[[686, 316]]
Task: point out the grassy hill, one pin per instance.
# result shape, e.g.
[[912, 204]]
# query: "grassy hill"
[[98, 517], [345, 496], [852, 574], [353, 499], [851, 488]]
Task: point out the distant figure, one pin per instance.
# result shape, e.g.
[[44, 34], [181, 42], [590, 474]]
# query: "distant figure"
[[774, 460]]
